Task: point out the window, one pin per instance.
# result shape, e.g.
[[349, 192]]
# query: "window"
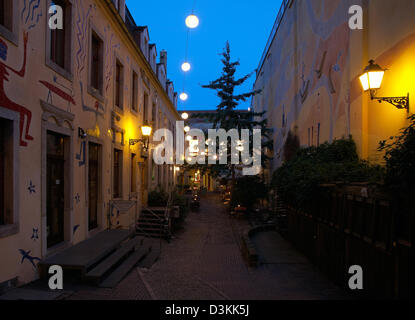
[[2, 170], [145, 108], [6, 14], [6, 173], [60, 39], [96, 63], [134, 102], [117, 174], [133, 173], [119, 80]]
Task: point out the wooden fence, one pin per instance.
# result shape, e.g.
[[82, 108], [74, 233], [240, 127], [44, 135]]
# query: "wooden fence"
[[347, 229]]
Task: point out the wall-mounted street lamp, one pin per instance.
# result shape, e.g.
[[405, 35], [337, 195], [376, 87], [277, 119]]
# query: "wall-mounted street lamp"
[[371, 80], [146, 132]]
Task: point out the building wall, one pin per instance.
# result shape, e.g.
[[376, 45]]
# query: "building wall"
[[310, 75], [62, 102]]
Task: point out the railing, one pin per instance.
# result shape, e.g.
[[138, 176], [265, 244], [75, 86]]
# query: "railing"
[[284, 6], [376, 233]]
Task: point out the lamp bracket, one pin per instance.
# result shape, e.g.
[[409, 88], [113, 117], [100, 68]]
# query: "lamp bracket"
[[133, 142], [398, 102]]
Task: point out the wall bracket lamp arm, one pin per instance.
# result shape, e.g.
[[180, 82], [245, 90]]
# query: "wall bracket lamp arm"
[[144, 142], [398, 102]]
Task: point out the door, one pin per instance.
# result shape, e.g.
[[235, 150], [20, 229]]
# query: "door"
[[93, 185], [2, 156], [55, 182], [144, 184]]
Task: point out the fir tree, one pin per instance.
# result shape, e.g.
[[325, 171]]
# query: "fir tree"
[[227, 117]]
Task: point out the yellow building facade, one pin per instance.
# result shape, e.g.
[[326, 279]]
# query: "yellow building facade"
[[309, 73], [70, 101]]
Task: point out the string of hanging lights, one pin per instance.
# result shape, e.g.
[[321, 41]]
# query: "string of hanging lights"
[[192, 22]]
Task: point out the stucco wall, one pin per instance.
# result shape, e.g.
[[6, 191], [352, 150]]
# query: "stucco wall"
[[28, 92], [310, 75]]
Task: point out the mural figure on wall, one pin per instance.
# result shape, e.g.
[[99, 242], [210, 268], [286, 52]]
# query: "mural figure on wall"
[[81, 156], [35, 234], [54, 89], [31, 187], [82, 27], [75, 228], [31, 13], [304, 90], [5, 102], [26, 255]]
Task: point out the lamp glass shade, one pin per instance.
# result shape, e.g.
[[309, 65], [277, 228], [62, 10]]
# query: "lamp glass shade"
[[146, 130], [192, 21], [372, 76], [375, 79], [364, 80], [186, 129], [185, 116]]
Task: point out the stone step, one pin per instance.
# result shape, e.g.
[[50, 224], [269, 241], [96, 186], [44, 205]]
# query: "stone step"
[[122, 271], [150, 224], [97, 273], [151, 258]]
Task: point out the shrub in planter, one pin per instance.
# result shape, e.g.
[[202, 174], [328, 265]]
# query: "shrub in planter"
[[299, 181], [248, 190], [400, 158], [157, 198]]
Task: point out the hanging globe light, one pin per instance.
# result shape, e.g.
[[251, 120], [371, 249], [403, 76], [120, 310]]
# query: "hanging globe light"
[[192, 21], [185, 116], [184, 96], [186, 66], [186, 129]]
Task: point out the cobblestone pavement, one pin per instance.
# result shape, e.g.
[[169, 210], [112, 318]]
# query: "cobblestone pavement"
[[204, 262]]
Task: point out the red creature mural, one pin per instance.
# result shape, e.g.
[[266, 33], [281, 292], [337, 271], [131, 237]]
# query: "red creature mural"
[[5, 102]]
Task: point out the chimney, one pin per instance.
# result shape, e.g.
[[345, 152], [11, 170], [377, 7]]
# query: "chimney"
[[163, 58], [122, 10]]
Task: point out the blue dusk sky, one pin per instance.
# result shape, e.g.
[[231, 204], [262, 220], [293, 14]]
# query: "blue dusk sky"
[[245, 23]]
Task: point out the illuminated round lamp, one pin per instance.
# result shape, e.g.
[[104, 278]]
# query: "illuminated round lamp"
[[189, 138], [186, 129], [184, 96], [186, 67], [185, 116], [192, 21]]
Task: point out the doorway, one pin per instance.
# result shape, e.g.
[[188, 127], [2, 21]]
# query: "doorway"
[[2, 168], [93, 185], [55, 184]]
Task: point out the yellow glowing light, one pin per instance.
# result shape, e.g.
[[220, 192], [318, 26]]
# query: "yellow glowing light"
[[192, 21], [364, 80], [189, 138], [185, 116], [186, 129], [375, 79], [372, 76], [186, 66], [146, 130], [184, 96]]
